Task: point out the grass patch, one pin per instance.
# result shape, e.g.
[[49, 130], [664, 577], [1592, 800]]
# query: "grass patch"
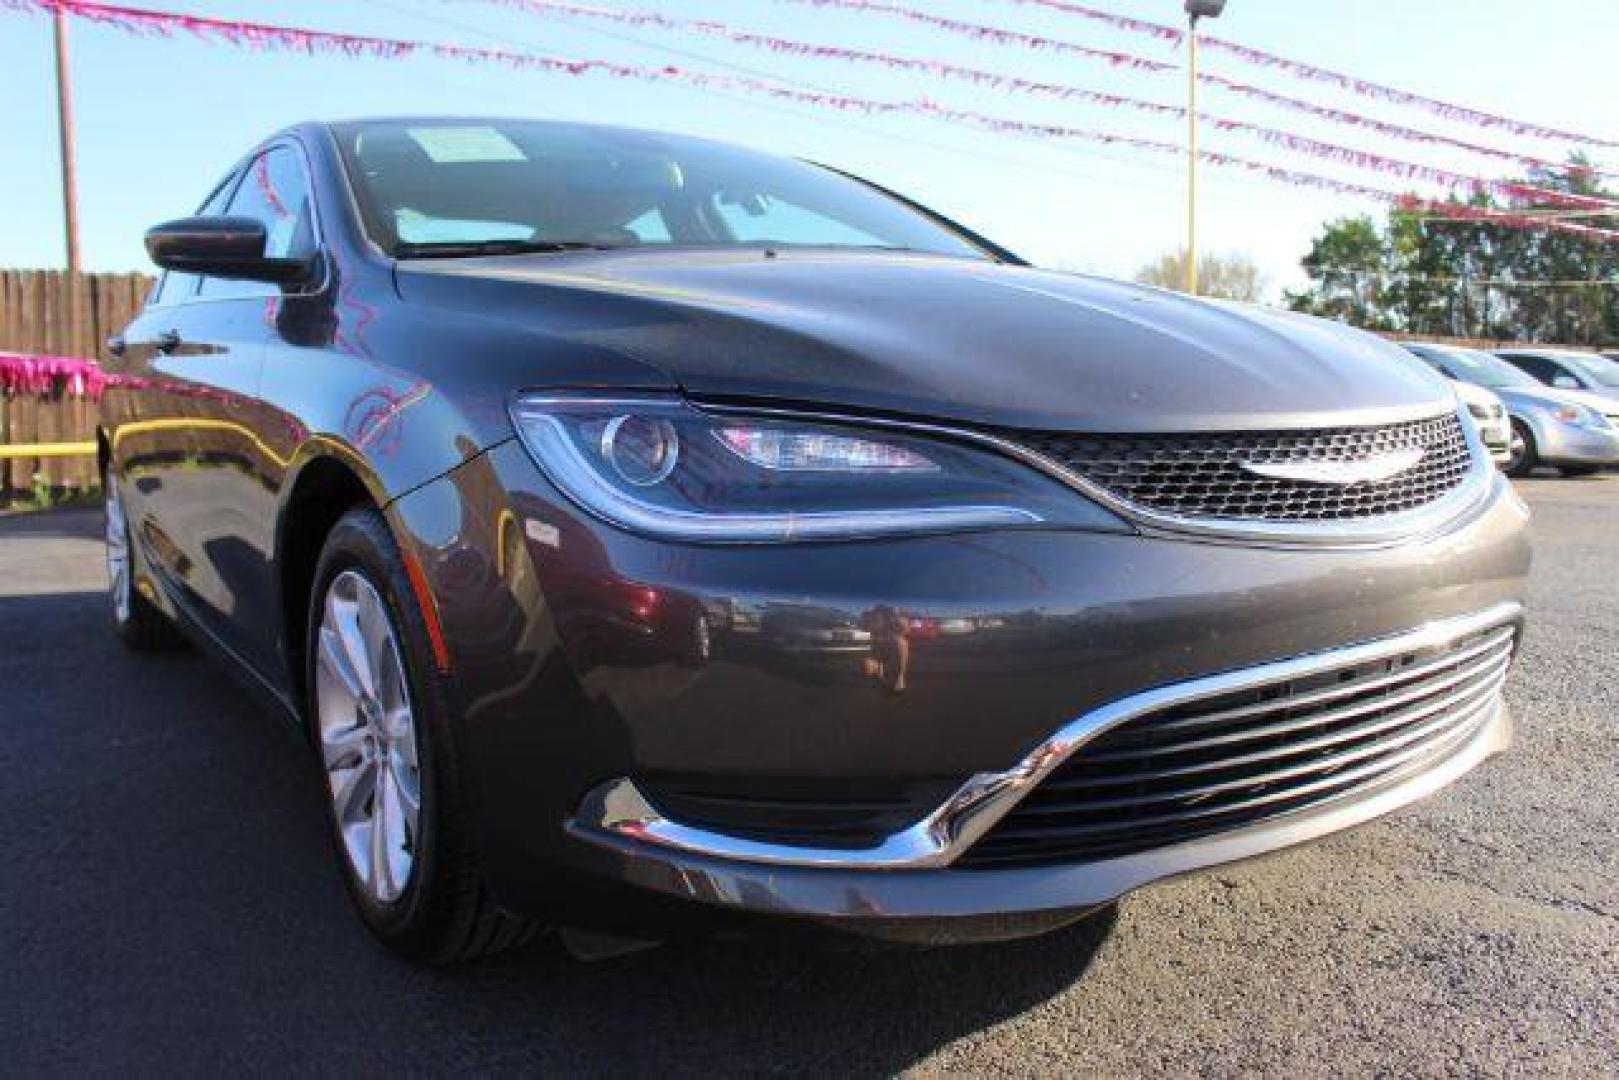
[[44, 497]]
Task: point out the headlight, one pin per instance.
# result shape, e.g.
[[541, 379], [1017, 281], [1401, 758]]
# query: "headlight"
[[1579, 415], [656, 465]]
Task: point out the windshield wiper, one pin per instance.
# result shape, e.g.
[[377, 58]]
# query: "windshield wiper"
[[463, 249]]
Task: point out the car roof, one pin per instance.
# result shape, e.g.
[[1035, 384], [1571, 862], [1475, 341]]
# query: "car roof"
[[1550, 352]]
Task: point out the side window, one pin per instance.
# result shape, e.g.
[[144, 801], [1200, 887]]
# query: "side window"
[[1560, 375], [275, 190], [175, 287], [1544, 370]]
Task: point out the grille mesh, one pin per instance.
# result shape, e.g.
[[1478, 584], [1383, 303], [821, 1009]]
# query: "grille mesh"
[[1201, 476], [1238, 759]]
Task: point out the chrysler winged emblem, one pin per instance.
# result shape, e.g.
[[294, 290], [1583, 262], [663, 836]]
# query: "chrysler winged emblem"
[[1367, 470]]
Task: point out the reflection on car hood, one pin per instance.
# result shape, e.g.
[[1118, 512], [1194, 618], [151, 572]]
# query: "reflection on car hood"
[[948, 338]]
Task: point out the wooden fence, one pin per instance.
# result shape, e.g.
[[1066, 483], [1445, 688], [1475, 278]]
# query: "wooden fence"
[[52, 313]]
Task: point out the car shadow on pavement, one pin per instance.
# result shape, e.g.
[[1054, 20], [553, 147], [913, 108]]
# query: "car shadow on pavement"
[[170, 902], [762, 1007], [77, 523]]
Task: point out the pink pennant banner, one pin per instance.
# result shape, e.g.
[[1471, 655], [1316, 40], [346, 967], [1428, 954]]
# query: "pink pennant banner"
[[1367, 88], [816, 51], [997, 34], [22, 373], [1277, 173], [1119, 22], [1393, 130], [266, 36], [263, 36], [1247, 54], [1323, 150]]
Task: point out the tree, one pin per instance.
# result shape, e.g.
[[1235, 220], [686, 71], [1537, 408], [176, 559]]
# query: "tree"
[[1427, 272], [1348, 265], [1225, 277]]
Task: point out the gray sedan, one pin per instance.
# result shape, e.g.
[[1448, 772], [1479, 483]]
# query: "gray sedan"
[[1576, 431]]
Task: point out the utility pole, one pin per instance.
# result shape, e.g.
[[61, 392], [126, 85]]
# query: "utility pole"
[[1192, 156], [64, 123], [1195, 10]]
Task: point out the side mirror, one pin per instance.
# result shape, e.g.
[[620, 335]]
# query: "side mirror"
[[1567, 382], [225, 247]]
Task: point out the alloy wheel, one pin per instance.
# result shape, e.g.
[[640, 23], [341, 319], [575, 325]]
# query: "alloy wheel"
[[368, 736], [117, 535]]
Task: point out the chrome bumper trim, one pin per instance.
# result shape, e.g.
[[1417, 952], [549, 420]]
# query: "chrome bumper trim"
[[617, 810]]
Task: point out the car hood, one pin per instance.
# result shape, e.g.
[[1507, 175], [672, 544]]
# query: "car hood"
[[943, 338], [1551, 396]]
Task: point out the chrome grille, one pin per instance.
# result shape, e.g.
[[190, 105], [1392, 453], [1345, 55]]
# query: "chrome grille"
[[1242, 758], [1201, 476]]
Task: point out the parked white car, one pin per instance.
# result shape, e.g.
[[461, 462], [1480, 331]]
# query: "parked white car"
[[1493, 423]]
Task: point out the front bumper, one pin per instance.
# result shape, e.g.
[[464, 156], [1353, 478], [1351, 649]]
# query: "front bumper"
[[1570, 444], [1497, 439], [853, 896], [565, 680]]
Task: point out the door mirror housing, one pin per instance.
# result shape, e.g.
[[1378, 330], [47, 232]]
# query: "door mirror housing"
[[1566, 382], [223, 247]]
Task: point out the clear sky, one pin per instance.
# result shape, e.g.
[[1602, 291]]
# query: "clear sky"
[[160, 120]]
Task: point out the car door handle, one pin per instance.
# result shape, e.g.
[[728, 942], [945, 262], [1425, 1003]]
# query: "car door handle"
[[116, 345], [167, 341]]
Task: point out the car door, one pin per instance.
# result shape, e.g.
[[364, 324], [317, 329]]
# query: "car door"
[[147, 407], [215, 503]]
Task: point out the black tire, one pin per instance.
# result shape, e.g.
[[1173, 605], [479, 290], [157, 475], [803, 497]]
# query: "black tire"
[[1524, 462], [135, 619], [444, 913]]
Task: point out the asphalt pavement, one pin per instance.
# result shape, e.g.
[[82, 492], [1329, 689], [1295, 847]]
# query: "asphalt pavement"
[[168, 903]]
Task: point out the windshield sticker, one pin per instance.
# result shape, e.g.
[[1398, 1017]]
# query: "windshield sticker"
[[465, 145]]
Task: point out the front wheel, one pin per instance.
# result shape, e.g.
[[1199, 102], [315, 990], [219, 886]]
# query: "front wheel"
[[380, 720], [1523, 455]]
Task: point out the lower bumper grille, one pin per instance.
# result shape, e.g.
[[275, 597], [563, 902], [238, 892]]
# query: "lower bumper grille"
[[845, 815], [1242, 758]]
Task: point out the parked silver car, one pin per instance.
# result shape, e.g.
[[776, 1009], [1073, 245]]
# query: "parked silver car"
[[1569, 369], [1575, 431]]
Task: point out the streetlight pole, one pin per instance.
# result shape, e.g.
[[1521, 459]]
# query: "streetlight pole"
[[1191, 155], [1195, 10], [64, 122]]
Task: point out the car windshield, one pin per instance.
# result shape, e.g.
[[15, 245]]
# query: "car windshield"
[[1479, 368], [1601, 371], [457, 188]]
